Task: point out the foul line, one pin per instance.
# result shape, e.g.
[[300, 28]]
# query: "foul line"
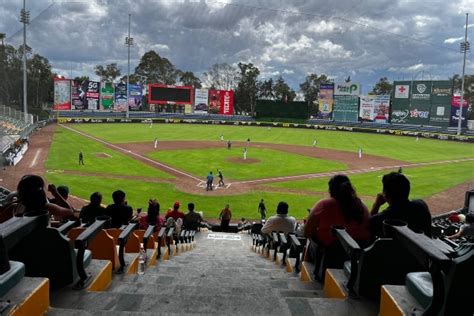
[[131, 153], [372, 169], [33, 162]]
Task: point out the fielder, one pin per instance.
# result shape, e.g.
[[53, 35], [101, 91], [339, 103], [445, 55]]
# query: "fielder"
[[314, 142], [156, 143], [245, 153], [360, 152]]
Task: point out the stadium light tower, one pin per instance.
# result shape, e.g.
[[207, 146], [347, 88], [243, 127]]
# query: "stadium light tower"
[[25, 19], [465, 47], [128, 42]]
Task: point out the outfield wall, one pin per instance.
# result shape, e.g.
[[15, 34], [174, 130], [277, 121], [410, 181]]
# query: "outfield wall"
[[388, 130]]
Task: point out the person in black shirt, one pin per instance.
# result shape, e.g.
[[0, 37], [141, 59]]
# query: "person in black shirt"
[[396, 189], [120, 212], [92, 210]]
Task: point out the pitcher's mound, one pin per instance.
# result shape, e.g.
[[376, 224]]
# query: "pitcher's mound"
[[241, 160]]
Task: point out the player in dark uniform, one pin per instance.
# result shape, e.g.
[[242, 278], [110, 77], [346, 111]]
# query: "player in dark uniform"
[[81, 158], [262, 209], [221, 178], [229, 144]]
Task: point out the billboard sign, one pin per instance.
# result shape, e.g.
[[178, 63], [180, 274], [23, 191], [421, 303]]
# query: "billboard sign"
[[107, 96], [121, 97], [92, 95], [62, 94], [421, 90], [325, 101], [402, 91], [78, 95], [221, 101], [135, 97], [347, 88], [201, 100], [455, 107], [346, 108], [374, 108], [166, 94]]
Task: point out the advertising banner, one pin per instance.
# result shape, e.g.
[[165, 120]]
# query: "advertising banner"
[[419, 114], [440, 114], [346, 108], [399, 115], [402, 91], [201, 100], [78, 95], [62, 94], [455, 106], [347, 88], [107, 96], [374, 108], [421, 90], [135, 97], [325, 101], [227, 102], [92, 95], [121, 97]]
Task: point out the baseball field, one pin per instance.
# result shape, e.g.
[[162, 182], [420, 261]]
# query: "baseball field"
[[281, 165]]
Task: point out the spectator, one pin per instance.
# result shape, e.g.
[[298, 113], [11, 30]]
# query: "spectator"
[[175, 213], [280, 222], [32, 198], [396, 190], [64, 193], [225, 216], [153, 216], [93, 209], [119, 212], [192, 220], [466, 230], [343, 208]]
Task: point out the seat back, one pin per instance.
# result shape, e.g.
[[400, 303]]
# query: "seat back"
[[384, 262], [104, 247], [332, 257], [151, 241]]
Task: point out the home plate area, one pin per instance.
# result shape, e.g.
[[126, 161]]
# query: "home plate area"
[[202, 184]]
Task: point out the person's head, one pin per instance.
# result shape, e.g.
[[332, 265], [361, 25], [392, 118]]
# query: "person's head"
[[63, 191], [191, 207], [282, 208], [118, 197], [261, 201], [470, 218], [341, 189], [176, 205], [226, 206], [96, 198], [31, 193], [396, 187], [242, 219], [210, 172]]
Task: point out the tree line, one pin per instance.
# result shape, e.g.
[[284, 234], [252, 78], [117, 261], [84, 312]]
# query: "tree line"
[[243, 79]]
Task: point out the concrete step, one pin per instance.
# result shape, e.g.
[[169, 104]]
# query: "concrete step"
[[56, 311], [333, 307]]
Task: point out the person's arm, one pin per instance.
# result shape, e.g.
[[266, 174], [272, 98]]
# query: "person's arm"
[[460, 233], [313, 221], [62, 212], [379, 201], [59, 199], [268, 227]]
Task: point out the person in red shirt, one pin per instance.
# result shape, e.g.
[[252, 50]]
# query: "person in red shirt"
[[175, 213], [343, 208]]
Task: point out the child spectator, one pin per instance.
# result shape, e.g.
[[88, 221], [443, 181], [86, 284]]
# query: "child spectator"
[[466, 230]]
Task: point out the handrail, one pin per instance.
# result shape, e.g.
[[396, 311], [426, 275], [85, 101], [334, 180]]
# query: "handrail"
[[170, 232], [283, 238], [64, 228], [81, 243], [169, 236], [160, 238], [275, 237], [149, 231], [122, 239], [276, 243], [295, 241]]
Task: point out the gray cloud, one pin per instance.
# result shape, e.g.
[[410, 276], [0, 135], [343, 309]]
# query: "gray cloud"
[[366, 39]]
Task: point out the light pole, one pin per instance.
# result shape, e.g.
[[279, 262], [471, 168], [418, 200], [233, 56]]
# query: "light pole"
[[128, 42], [465, 47], [25, 19]]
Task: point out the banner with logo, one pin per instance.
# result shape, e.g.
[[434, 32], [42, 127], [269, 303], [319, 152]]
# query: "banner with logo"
[[325, 101], [374, 108], [421, 90], [92, 95], [346, 108], [402, 91], [121, 97], [455, 106], [201, 100], [78, 95], [62, 94], [441, 98], [419, 114], [347, 88], [221, 101], [135, 97], [440, 114], [107, 96]]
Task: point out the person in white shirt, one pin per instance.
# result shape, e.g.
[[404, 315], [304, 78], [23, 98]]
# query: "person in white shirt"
[[280, 222]]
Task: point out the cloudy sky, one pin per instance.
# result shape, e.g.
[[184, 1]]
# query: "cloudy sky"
[[366, 39]]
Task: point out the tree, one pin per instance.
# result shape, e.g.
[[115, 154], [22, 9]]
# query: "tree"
[[246, 93], [187, 78], [382, 87], [108, 73], [40, 81], [310, 87], [221, 77], [266, 90], [81, 78], [468, 86], [2, 38], [156, 69], [283, 92]]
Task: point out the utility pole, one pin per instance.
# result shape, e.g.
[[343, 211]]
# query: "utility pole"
[[465, 47], [128, 42], [25, 19]]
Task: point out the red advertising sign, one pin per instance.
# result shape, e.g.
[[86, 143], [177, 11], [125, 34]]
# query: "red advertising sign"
[[222, 101], [456, 100], [62, 94]]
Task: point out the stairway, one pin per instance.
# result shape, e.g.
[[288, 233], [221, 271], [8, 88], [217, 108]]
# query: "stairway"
[[219, 276]]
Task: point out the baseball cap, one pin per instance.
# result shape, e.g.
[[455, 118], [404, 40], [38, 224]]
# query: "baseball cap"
[[176, 204]]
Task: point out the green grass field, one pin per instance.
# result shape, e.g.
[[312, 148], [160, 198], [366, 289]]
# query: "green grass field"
[[105, 174]]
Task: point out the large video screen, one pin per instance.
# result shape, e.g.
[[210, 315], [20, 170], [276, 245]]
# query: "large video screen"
[[165, 94]]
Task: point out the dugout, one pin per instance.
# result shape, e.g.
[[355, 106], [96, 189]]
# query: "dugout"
[[274, 109]]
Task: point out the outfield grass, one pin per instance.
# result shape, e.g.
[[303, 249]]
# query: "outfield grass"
[[64, 155], [396, 147], [425, 181], [138, 193], [271, 163]]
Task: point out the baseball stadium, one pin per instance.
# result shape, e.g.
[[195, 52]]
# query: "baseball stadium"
[[291, 158]]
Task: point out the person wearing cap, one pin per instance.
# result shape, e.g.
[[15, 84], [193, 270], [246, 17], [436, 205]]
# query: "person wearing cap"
[[175, 213]]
